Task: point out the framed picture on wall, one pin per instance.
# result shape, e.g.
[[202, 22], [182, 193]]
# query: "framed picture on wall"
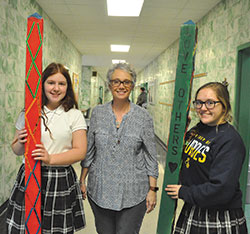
[[151, 92], [75, 84]]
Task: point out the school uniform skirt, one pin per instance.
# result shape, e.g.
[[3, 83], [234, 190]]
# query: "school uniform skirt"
[[195, 220], [61, 202]]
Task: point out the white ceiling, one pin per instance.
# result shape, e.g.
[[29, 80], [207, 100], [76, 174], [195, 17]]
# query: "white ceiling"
[[86, 24]]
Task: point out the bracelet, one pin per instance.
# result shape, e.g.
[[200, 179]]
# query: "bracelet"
[[155, 189]]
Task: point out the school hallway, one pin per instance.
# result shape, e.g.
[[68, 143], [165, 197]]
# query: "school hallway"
[[81, 35]]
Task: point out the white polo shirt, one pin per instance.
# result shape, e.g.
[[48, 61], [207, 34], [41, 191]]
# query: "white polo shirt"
[[61, 125]]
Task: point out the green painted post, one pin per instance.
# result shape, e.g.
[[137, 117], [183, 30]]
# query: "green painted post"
[[181, 105]]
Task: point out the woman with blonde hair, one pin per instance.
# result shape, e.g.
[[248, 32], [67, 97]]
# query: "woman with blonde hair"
[[212, 160]]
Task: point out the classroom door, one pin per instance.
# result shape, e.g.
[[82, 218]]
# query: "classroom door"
[[242, 110]]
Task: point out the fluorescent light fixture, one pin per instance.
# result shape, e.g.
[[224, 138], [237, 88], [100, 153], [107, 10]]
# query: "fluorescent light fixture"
[[119, 48], [118, 61], [124, 7]]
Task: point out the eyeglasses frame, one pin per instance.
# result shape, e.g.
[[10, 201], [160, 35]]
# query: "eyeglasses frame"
[[121, 82], [201, 102]]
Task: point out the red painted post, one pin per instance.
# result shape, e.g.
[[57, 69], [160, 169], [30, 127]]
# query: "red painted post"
[[33, 92]]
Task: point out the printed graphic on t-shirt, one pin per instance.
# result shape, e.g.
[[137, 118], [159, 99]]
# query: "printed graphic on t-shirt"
[[196, 149]]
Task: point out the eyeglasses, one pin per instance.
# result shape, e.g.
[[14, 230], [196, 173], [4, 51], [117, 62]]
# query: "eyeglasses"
[[117, 83], [210, 104]]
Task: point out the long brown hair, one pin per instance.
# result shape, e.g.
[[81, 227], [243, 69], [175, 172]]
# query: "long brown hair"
[[69, 100]]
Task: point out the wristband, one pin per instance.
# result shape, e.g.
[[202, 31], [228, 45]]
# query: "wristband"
[[155, 189]]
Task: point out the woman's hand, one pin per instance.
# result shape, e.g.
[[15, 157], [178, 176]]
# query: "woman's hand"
[[151, 201], [18, 142], [22, 136], [40, 153], [84, 190], [83, 186], [173, 190]]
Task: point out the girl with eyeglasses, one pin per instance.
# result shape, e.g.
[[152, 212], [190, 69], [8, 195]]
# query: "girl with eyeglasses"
[[212, 159], [121, 159]]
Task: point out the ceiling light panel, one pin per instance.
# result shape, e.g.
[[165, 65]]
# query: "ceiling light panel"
[[114, 61], [120, 48], [130, 8]]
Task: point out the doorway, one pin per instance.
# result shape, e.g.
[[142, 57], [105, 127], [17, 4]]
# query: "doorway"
[[242, 112], [100, 98]]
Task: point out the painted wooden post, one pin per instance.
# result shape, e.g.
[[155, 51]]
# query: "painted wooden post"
[[33, 91], [181, 106]]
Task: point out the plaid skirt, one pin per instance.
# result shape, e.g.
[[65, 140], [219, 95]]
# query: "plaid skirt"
[[195, 220], [61, 202]]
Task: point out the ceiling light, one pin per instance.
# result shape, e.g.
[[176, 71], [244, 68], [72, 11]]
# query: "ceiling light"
[[118, 61], [119, 48], [124, 7]]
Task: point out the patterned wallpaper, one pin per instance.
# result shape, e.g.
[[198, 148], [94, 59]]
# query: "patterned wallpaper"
[[56, 47], [85, 88]]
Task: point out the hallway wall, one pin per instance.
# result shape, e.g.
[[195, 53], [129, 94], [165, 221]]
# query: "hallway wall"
[[85, 88], [56, 47], [224, 28]]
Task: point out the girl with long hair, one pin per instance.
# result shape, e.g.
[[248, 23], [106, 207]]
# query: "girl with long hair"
[[63, 142]]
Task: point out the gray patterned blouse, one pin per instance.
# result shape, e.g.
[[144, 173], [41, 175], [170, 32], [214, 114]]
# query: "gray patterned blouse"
[[120, 161]]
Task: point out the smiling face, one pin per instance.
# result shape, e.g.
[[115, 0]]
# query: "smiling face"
[[213, 116], [55, 88], [121, 92]]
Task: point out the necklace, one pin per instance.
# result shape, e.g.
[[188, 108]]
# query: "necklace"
[[120, 116], [117, 123]]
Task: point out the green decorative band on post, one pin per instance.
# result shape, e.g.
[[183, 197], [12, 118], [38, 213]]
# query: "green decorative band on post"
[[33, 58]]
